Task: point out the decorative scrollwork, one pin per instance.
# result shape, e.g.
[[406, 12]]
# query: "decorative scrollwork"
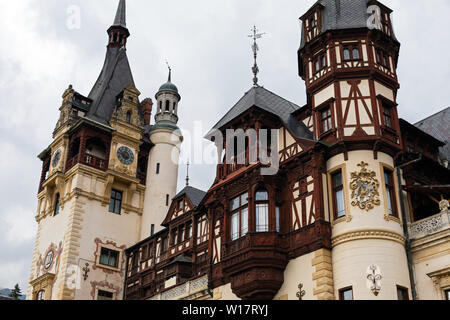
[[374, 279], [301, 293], [365, 186]]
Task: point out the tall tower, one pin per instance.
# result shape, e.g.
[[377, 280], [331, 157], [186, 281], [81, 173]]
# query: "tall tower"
[[348, 59], [91, 194], [162, 172]]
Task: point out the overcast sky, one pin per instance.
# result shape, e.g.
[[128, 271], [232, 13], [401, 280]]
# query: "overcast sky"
[[206, 43]]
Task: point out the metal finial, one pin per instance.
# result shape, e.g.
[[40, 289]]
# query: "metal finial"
[[255, 36], [187, 175], [170, 71]]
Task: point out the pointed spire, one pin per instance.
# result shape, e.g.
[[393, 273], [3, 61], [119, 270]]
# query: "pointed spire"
[[121, 19]]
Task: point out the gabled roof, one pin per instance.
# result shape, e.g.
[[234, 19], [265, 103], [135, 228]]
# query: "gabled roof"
[[438, 126], [195, 195], [272, 103], [343, 14], [114, 78]]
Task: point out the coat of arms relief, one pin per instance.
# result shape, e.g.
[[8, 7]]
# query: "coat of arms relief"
[[365, 186]]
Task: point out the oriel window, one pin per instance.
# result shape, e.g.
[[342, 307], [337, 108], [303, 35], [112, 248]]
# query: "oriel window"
[[115, 204], [239, 216], [262, 211], [351, 52], [338, 195], [109, 258]]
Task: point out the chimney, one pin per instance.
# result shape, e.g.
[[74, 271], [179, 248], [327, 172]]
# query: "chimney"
[[147, 107]]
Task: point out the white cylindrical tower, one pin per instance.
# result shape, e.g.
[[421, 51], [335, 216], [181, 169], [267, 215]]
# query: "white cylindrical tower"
[[162, 170], [369, 257]]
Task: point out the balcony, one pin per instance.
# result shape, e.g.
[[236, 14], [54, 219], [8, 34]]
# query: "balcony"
[[429, 226], [87, 160]]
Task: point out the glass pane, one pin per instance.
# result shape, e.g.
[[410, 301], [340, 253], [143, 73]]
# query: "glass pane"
[[347, 295], [262, 218], [117, 207], [389, 201], [317, 65], [244, 199], [235, 204], [244, 222], [104, 258], [111, 206], [235, 226], [324, 61], [118, 195], [340, 203], [112, 260], [355, 54], [337, 180], [277, 218], [262, 196], [346, 54]]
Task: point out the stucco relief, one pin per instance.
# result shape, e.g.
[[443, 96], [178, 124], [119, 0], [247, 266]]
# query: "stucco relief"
[[50, 260], [365, 186]]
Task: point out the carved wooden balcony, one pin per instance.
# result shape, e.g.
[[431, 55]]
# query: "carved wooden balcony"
[[255, 264]]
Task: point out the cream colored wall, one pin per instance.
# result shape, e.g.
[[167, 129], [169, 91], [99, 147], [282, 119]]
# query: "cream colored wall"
[[430, 255], [166, 152], [224, 293], [298, 271], [324, 95], [364, 238]]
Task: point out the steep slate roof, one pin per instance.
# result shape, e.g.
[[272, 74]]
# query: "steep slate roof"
[[194, 194], [343, 14], [272, 103], [438, 126], [114, 78]]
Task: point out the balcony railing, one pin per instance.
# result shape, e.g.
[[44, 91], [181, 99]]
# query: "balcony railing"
[[429, 226], [87, 160]]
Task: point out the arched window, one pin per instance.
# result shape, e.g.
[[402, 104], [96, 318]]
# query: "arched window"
[[167, 105], [346, 54], [128, 117], [40, 295], [262, 210], [160, 106], [57, 205], [355, 54]]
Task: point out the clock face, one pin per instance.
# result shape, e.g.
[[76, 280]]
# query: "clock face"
[[125, 155], [48, 260], [56, 158]]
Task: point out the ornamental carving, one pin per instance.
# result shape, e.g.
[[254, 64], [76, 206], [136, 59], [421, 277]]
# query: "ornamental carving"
[[365, 186]]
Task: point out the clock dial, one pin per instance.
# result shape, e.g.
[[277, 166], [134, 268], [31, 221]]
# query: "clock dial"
[[49, 260], [56, 158], [125, 155]]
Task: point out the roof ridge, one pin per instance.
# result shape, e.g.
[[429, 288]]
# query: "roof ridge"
[[433, 115]]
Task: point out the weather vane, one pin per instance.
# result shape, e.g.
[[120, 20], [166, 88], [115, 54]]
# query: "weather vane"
[[170, 71], [187, 175], [255, 48]]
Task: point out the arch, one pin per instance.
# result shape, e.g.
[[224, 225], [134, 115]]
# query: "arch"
[[167, 105]]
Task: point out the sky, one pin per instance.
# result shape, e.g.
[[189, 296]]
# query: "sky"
[[206, 43]]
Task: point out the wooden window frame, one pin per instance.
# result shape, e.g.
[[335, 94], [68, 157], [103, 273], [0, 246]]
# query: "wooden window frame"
[[109, 251], [390, 185], [343, 291], [239, 211], [114, 200], [404, 291], [334, 191], [266, 203], [318, 60], [351, 47]]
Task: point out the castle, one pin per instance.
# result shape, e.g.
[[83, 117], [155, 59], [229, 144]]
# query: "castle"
[[357, 208]]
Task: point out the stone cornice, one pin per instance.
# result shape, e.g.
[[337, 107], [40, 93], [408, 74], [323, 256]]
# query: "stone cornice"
[[367, 234]]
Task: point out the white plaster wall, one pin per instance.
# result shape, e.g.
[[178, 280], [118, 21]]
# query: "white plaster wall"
[[166, 152], [298, 271]]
